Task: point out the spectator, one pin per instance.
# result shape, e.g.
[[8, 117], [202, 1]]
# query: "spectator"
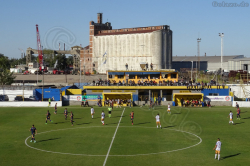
[[123, 82], [182, 101], [218, 85], [151, 66], [126, 66], [105, 82], [147, 66], [146, 100], [159, 100], [223, 85], [94, 82]]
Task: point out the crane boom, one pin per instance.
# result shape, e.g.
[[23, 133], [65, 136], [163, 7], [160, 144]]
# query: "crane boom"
[[39, 48]]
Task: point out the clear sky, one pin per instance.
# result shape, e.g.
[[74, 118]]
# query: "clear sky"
[[68, 22]]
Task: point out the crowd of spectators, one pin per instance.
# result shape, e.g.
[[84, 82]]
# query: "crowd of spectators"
[[194, 103], [190, 84]]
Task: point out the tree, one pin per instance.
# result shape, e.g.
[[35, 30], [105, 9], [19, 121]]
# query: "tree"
[[4, 62], [70, 61], [62, 61], [48, 57], [6, 77]]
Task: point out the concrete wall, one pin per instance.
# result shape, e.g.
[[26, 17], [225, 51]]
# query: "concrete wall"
[[128, 48], [30, 104], [221, 103]]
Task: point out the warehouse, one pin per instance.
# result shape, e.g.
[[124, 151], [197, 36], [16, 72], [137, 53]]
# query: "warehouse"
[[211, 63]]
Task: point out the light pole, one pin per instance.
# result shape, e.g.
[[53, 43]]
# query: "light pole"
[[221, 35], [80, 74], [37, 72], [192, 72], [198, 54]]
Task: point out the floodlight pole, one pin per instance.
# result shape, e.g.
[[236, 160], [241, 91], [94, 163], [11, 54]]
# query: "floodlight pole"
[[192, 71], [198, 55], [221, 35]]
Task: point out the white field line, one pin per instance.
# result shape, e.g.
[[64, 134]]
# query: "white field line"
[[113, 139]]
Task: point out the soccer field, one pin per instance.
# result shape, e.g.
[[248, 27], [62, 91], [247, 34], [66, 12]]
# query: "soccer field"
[[187, 137]]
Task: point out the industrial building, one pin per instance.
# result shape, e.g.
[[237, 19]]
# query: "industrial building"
[[211, 63], [112, 49], [239, 64]]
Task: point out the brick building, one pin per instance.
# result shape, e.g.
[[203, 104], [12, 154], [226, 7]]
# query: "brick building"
[[111, 49]]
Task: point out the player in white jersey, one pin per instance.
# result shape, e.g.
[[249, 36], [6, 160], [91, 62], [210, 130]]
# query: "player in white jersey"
[[102, 117], [231, 117], [92, 112], [217, 149], [169, 112], [157, 118]]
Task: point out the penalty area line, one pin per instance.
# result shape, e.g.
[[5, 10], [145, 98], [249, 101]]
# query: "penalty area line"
[[113, 139]]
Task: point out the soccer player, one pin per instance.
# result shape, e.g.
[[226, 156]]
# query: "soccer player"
[[55, 109], [71, 118], [238, 113], [158, 120], [110, 110], [169, 112], [231, 117], [48, 117], [237, 105], [102, 117], [82, 104], [49, 102], [66, 113], [92, 112], [217, 149], [132, 117], [33, 131], [86, 103]]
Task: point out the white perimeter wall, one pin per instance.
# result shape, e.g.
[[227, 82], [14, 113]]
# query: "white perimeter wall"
[[13, 93], [30, 104], [241, 103], [128, 48]]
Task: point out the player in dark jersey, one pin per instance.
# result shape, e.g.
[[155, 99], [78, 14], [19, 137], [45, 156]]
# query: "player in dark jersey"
[[237, 105], [71, 118], [238, 113], [55, 109], [33, 132], [48, 117], [132, 117], [66, 113]]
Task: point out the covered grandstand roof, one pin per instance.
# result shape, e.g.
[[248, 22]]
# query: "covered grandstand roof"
[[226, 58]]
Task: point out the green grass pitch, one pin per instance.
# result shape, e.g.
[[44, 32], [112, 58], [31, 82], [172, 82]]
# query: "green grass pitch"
[[187, 137]]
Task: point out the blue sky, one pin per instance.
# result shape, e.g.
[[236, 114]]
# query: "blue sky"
[[68, 22]]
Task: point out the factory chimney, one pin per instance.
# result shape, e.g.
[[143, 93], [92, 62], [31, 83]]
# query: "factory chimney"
[[99, 18]]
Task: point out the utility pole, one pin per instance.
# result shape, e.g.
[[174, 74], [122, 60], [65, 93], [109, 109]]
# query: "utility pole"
[[192, 71], [43, 85], [221, 35], [198, 54]]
